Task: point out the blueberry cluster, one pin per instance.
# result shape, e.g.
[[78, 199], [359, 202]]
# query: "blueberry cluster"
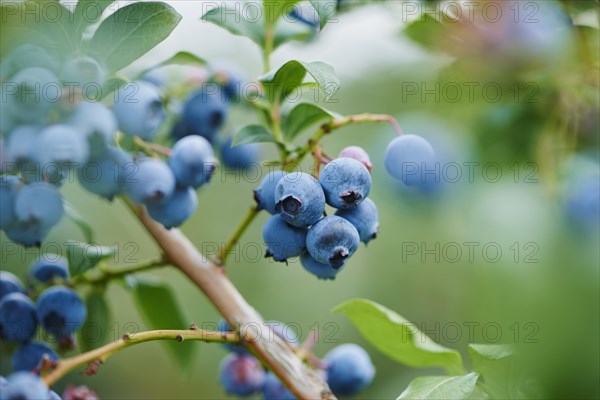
[[347, 369], [297, 201], [58, 310]]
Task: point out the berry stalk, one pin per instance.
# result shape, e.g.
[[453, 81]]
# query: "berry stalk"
[[235, 237]]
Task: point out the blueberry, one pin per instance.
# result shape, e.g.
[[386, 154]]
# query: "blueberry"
[[31, 94], [8, 192], [273, 389], [49, 267], [29, 233], [83, 71], [22, 145], [17, 318], [9, 283], [349, 369], [39, 204], [409, 158], [172, 211], [192, 161], [153, 180], [332, 241], [364, 218], [105, 174], [283, 241], [62, 145], [26, 56], [320, 270], [3, 383], [97, 123], [54, 396], [204, 113], [231, 78], [60, 311], [357, 153], [306, 14], [29, 356], [139, 109], [240, 157], [346, 182], [241, 375], [299, 199], [24, 386], [265, 192], [156, 76]]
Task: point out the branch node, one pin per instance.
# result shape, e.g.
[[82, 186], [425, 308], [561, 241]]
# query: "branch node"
[[126, 337], [193, 327], [92, 368], [179, 338]]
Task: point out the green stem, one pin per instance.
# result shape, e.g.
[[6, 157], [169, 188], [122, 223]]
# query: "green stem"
[[110, 274], [100, 354], [235, 237]]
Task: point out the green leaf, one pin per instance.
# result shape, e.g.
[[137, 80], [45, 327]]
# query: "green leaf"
[[88, 12], [80, 221], [398, 338], [161, 310], [280, 83], [287, 31], [252, 134], [441, 387], [183, 58], [246, 24], [85, 256], [95, 331], [495, 363], [325, 9], [427, 32], [112, 85], [274, 9], [131, 32], [303, 116]]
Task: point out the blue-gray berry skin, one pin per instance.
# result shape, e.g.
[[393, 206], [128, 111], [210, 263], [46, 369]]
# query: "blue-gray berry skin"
[[24, 385], [22, 145], [204, 113], [332, 241], [365, 219], [28, 234], [9, 283], [408, 158], [346, 182], [8, 193], [299, 199], [265, 192], [139, 109], [241, 375], [349, 369], [39, 203], [29, 356], [97, 123], [175, 209], [26, 56], [60, 311], [49, 267], [273, 389], [320, 270], [192, 161], [283, 240], [151, 181], [36, 92], [82, 71], [52, 395], [240, 157], [106, 172], [17, 318], [62, 145]]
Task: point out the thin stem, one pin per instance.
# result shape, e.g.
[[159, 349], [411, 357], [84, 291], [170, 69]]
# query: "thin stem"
[[151, 148], [235, 237], [100, 354], [110, 274]]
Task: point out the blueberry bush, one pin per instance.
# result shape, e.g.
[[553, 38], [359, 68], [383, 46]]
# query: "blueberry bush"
[[84, 114]]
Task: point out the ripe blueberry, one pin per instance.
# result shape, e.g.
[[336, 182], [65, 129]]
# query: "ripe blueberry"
[[29, 356], [24, 385], [36, 92], [346, 182], [230, 77], [204, 113], [241, 375], [62, 145], [29, 233], [83, 71], [240, 157], [97, 123], [39, 204], [283, 241], [152, 180], [364, 218], [265, 192], [299, 199], [332, 241], [349, 369], [408, 158], [60, 311], [9, 283], [357, 153], [139, 109], [26, 56], [106, 172], [320, 270], [273, 389], [22, 146], [8, 193], [49, 267], [17, 318], [192, 161], [173, 210]]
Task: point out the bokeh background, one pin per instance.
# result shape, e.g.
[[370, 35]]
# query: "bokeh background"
[[539, 134]]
